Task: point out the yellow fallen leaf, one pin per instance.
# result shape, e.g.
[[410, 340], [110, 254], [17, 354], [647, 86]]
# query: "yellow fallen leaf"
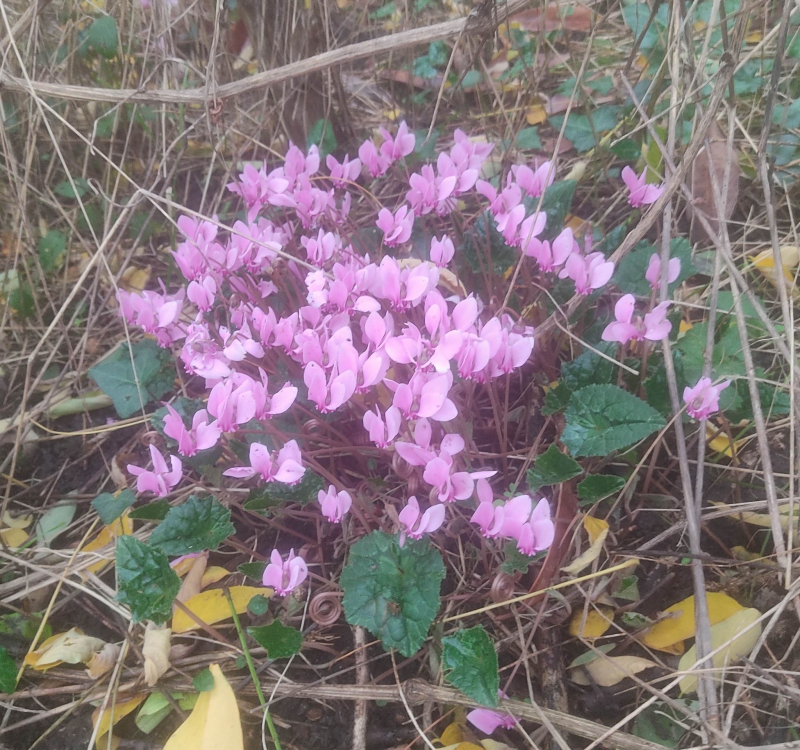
[[606, 671], [679, 625], [214, 722], [184, 564], [721, 443], [596, 623], [156, 653], [192, 583], [765, 264], [14, 538], [453, 734], [20, 522], [122, 526], [71, 647], [103, 661], [134, 279], [684, 327], [214, 574], [106, 719], [212, 606], [742, 629], [763, 519], [597, 530], [536, 114]]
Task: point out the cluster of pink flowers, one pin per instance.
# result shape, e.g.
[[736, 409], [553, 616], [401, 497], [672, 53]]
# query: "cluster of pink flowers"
[[379, 336]]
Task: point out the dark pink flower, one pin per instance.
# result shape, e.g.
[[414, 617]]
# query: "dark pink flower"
[[286, 576], [161, 479]]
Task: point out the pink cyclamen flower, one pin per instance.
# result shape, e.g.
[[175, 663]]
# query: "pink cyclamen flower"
[[653, 273], [654, 326], [375, 163], [334, 504], [538, 532], [347, 171], [442, 251], [201, 437], [286, 467], [161, 479], [641, 194], [396, 227], [282, 576], [415, 524], [589, 272], [488, 721], [402, 144], [702, 399]]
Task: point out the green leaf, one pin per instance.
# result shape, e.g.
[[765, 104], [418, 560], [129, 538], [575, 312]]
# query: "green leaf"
[[662, 724], [75, 189], [110, 508], [515, 561], [596, 487], [528, 139], [8, 672], [199, 523], [146, 582], [51, 250], [604, 418], [254, 570], [54, 522], [636, 17], [155, 511], [585, 130], [203, 681], [626, 149], [629, 276], [276, 494], [322, 135], [22, 301], [116, 375], [627, 589], [556, 399], [258, 605], [471, 79], [552, 467], [102, 37], [589, 368], [279, 640], [556, 204], [156, 708], [385, 11], [590, 656], [393, 591], [471, 661]]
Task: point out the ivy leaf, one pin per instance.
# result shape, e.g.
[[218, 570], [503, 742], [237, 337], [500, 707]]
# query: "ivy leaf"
[[254, 570], [203, 681], [52, 247], [470, 657], [117, 374], [528, 139], [199, 523], [110, 507], [604, 418], [75, 189], [322, 135], [279, 640], [102, 37], [155, 511], [595, 488], [590, 368], [552, 467], [556, 399], [276, 494], [393, 591], [146, 582], [515, 561], [556, 203], [8, 673]]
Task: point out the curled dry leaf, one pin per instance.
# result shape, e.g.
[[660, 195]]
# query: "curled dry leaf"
[[193, 582], [716, 159], [71, 647], [606, 671], [104, 660], [740, 632], [790, 259], [597, 530], [214, 722], [156, 653], [678, 625]]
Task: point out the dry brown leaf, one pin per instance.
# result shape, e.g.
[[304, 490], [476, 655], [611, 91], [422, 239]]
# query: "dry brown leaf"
[[192, 584], [71, 647], [716, 159], [156, 653], [104, 660], [606, 671], [554, 18]]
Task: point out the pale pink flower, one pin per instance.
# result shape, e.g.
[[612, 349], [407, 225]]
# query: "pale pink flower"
[[488, 721], [202, 292], [549, 257], [442, 251], [538, 532], [161, 479], [653, 327], [286, 467], [641, 194], [347, 171], [375, 163], [509, 518], [232, 405], [329, 393], [382, 431], [395, 227], [653, 273], [402, 144], [155, 313], [282, 576], [201, 437], [415, 524], [589, 272], [334, 504], [702, 399], [534, 181]]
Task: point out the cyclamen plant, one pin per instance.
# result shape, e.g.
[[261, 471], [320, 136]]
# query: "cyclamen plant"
[[392, 342]]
